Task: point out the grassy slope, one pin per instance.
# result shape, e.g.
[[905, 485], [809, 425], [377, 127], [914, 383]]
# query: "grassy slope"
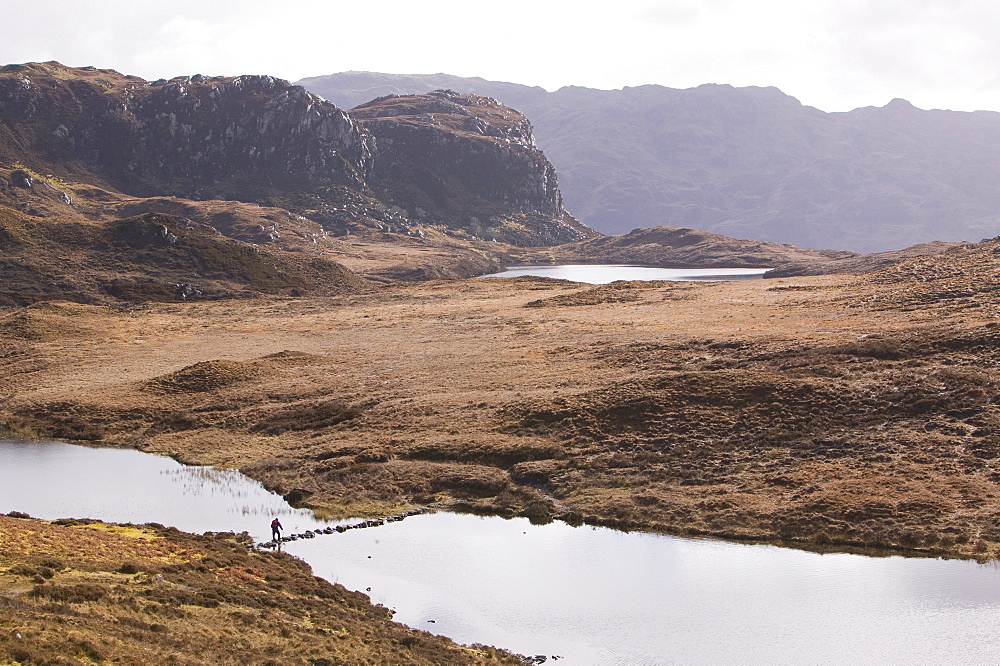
[[100, 593]]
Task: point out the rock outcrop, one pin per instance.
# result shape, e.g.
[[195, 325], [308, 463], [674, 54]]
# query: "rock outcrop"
[[196, 137], [468, 163]]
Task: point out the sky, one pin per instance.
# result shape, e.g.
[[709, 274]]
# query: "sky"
[[835, 55]]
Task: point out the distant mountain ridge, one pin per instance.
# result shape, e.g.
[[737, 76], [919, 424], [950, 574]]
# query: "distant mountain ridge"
[[746, 162]]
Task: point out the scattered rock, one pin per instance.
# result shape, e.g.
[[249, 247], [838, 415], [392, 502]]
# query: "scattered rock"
[[21, 179]]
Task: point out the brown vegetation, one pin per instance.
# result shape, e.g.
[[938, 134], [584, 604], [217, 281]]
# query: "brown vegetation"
[[88, 592], [837, 411], [675, 247]]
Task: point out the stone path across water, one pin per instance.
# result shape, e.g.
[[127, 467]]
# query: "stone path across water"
[[338, 529]]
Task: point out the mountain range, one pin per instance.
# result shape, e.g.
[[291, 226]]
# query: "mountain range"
[[746, 162], [199, 187]]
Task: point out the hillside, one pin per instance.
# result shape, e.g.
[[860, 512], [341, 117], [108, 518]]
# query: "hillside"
[[71, 241], [671, 247], [149, 257], [747, 162], [263, 141], [79, 591], [864, 263]]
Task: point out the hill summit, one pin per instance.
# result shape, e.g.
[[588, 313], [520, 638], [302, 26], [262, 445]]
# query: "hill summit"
[[262, 140]]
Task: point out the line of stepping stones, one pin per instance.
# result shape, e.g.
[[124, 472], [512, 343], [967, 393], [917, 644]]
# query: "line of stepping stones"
[[339, 529]]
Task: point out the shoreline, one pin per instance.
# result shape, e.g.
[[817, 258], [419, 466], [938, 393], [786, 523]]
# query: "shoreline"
[[831, 411]]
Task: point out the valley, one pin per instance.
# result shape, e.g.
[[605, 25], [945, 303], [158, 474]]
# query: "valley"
[[233, 271], [831, 411]]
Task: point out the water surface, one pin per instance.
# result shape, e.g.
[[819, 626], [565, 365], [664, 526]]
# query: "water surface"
[[605, 273], [591, 595], [57, 480]]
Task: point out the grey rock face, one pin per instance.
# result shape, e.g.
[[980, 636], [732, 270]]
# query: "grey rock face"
[[467, 162], [188, 135], [468, 165]]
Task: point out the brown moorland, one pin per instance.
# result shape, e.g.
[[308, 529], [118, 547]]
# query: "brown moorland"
[[826, 411], [77, 591]]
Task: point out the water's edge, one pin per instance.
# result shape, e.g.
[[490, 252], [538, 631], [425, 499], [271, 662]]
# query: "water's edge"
[[590, 594]]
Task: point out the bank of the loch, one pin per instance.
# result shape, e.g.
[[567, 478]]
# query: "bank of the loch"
[[90, 592], [826, 411]]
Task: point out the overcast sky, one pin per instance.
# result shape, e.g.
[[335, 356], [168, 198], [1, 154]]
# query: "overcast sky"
[[832, 54]]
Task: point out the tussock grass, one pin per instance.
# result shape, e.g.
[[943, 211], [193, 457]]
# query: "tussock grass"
[[114, 599]]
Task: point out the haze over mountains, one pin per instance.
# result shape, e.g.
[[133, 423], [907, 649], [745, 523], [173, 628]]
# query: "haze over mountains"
[[114, 187], [746, 162]]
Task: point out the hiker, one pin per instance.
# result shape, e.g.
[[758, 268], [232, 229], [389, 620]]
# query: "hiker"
[[276, 530]]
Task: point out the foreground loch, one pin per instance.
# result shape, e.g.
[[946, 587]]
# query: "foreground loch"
[[590, 595]]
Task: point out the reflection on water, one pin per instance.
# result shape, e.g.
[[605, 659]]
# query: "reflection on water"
[[597, 596], [591, 595], [57, 480], [230, 486], [606, 273]]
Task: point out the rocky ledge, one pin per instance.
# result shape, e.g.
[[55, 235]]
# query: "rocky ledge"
[[458, 164]]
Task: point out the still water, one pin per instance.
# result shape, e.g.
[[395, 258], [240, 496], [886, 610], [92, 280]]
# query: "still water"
[[590, 595], [605, 273]]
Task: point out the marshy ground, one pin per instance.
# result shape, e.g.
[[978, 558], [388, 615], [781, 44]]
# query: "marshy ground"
[[831, 411]]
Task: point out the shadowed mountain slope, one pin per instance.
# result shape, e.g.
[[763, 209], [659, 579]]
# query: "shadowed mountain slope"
[[470, 163], [747, 162]]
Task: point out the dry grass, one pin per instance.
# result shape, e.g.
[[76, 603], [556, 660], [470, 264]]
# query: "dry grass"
[[98, 593], [833, 411]]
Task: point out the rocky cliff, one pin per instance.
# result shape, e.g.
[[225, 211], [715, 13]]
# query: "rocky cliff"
[[197, 137], [469, 163], [748, 162], [262, 140]]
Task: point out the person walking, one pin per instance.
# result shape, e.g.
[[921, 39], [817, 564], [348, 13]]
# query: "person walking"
[[276, 530]]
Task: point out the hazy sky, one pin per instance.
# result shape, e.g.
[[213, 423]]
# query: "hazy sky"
[[834, 55]]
